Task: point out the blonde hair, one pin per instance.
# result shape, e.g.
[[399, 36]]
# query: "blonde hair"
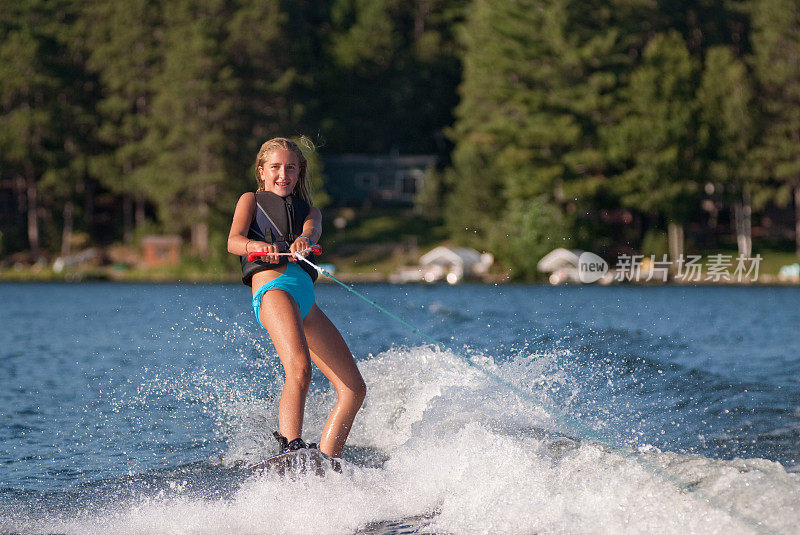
[[303, 187]]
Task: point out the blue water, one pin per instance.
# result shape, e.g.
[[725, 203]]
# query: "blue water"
[[137, 408]]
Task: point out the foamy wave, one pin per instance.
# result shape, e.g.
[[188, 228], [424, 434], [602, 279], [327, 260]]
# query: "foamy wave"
[[464, 455]]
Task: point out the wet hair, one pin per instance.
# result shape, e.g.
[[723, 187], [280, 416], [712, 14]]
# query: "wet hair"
[[303, 187]]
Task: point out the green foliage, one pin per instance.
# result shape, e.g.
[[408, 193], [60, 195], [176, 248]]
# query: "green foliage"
[[531, 229], [45, 124], [362, 22], [727, 103], [389, 226], [777, 64], [123, 49], [191, 111], [655, 243], [497, 133], [390, 75], [429, 200], [570, 116], [540, 82], [655, 142]]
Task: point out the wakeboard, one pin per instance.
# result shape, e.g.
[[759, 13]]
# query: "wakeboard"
[[299, 462]]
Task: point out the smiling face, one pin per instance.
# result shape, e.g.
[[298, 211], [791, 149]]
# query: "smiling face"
[[280, 172]]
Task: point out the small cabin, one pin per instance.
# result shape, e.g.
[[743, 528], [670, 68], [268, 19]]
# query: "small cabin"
[[376, 180], [159, 251]]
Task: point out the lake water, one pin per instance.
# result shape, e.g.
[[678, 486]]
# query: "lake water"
[[137, 408]]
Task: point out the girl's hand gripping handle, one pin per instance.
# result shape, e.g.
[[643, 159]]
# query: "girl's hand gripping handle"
[[314, 249]]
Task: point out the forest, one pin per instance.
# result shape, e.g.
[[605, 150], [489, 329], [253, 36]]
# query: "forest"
[[611, 126]]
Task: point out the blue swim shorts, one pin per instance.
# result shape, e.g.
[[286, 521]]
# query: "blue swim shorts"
[[294, 281]]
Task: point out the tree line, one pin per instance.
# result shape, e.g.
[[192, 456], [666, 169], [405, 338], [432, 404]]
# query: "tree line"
[[613, 125], [118, 118], [609, 126]]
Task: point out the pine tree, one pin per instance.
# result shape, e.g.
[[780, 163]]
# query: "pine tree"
[[655, 142], [540, 80], [390, 75], [123, 50], [188, 133], [25, 126], [776, 46], [44, 125], [727, 103], [268, 47]]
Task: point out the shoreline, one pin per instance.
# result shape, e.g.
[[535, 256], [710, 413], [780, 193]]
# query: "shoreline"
[[160, 277]]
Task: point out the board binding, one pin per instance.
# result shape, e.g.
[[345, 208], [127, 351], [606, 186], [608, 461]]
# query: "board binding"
[[299, 462]]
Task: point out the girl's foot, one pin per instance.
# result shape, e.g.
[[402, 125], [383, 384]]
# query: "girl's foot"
[[286, 446]]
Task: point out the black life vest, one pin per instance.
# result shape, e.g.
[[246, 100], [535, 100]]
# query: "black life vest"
[[277, 220]]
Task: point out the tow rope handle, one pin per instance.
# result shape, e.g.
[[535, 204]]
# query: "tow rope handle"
[[314, 249]]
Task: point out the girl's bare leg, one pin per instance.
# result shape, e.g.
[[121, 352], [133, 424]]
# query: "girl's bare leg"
[[280, 315], [331, 355]]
